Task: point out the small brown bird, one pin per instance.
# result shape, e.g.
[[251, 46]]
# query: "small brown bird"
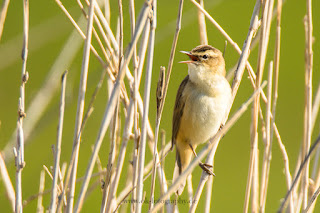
[[202, 101]]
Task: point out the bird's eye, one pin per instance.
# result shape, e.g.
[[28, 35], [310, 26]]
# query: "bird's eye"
[[205, 56]]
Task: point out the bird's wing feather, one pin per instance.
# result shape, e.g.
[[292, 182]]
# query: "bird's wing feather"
[[178, 109]]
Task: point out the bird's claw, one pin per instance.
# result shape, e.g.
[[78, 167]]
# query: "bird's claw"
[[207, 168]]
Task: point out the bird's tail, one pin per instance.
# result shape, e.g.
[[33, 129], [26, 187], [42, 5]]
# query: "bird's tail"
[[176, 173]]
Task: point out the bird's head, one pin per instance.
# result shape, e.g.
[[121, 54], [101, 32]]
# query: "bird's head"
[[206, 57]]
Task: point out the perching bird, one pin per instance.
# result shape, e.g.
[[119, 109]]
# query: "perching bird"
[[202, 102]]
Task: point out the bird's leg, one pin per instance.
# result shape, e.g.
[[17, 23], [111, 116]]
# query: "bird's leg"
[[206, 167]]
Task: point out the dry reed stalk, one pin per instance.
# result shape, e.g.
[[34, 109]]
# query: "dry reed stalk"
[[40, 208], [132, 26], [315, 188], [42, 98], [112, 153], [208, 194], [163, 96], [286, 166], [80, 107], [254, 160], [237, 80], [254, 44], [62, 174], [212, 145], [276, 64], [254, 24], [145, 115], [107, 10], [159, 96], [108, 198], [54, 189], [111, 104], [128, 74], [190, 188], [7, 183], [268, 144], [311, 201], [269, 119], [121, 31], [136, 83], [102, 48], [76, 26], [172, 53], [3, 15], [137, 62], [19, 149], [164, 88], [202, 25], [308, 101], [48, 171], [162, 154], [298, 174], [35, 196], [315, 109], [146, 173]]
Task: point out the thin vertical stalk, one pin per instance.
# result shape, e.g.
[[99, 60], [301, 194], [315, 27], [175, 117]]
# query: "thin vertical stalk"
[[308, 100], [202, 25], [40, 208], [254, 24], [136, 83], [268, 144], [135, 91], [253, 170], [312, 199], [107, 10], [7, 183], [112, 154], [120, 31], [111, 105], [80, 106], [172, 53], [299, 172], [146, 99], [190, 189], [276, 66], [48, 89], [286, 166], [115, 125], [160, 106], [54, 189], [315, 110], [236, 83], [107, 201], [315, 188], [159, 94], [3, 15], [269, 134], [19, 150], [208, 194]]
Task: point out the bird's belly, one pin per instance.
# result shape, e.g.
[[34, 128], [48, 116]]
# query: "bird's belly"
[[202, 118]]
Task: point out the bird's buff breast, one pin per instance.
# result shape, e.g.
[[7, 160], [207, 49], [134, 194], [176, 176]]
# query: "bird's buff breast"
[[202, 116]]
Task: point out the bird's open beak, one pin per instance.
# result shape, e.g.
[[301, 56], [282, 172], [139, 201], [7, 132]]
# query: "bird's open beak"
[[192, 57]]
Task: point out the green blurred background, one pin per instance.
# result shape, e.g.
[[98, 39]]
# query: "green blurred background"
[[49, 30]]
